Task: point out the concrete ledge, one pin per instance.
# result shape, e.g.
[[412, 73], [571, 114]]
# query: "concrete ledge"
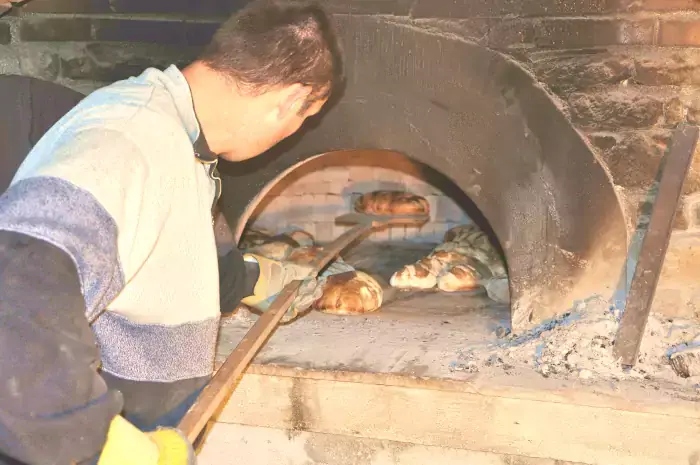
[[534, 419], [264, 446]]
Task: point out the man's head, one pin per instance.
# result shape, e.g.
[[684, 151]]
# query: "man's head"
[[267, 69]]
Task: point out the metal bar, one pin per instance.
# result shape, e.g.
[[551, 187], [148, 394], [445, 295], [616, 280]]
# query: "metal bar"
[[334, 248], [380, 220], [654, 246], [215, 392], [364, 223]]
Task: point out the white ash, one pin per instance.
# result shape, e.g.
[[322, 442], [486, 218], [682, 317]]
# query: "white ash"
[[580, 345]]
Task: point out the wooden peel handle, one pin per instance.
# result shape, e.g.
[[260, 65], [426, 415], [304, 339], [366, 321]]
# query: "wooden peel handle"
[[214, 393]]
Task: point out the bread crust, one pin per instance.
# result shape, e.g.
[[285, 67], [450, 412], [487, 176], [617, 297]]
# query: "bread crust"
[[352, 293], [385, 202]]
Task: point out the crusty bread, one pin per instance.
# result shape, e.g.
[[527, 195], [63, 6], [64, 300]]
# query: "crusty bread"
[[420, 275], [425, 272], [464, 260], [446, 259], [392, 203], [468, 234], [459, 278], [350, 294], [483, 256]]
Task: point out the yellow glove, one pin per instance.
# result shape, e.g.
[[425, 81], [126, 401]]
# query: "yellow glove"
[[127, 445]]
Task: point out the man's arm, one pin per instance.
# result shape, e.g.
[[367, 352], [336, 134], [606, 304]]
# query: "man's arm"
[[237, 279], [54, 406], [60, 226]]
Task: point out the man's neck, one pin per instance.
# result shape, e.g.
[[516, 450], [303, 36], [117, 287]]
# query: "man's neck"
[[209, 94]]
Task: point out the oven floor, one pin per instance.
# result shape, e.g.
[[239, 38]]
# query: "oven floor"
[[427, 379], [415, 333], [421, 336]]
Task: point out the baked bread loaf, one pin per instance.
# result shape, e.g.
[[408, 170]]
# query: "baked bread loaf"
[[480, 254], [446, 259], [464, 260], [459, 278], [469, 234], [425, 272], [351, 293], [420, 275], [392, 203]]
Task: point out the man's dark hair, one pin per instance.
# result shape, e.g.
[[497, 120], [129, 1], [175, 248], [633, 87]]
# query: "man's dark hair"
[[271, 43]]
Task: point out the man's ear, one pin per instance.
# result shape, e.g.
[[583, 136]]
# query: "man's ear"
[[292, 100]]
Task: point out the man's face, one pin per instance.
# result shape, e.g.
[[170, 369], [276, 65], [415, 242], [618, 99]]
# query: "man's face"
[[269, 119]]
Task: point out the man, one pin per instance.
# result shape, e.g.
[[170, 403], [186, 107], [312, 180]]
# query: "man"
[[109, 293]]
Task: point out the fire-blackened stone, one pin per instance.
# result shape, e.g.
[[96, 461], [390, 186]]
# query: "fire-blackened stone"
[[125, 30], [188, 7], [574, 73], [633, 159], [66, 6], [493, 8], [615, 110], [603, 141], [377, 7], [508, 32], [476, 29], [590, 32], [107, 62], [668, 67], [5, 35], [55, 29], [39, 61], [674, 112], [694, 110], [200, 33]]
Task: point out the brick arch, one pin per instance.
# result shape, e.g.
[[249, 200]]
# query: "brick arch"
[[484, 122]]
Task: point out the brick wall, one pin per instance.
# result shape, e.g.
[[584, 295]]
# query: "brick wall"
[[88, 43], [626, 70]]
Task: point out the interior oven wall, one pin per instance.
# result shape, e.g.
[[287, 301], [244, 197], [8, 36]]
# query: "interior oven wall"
[[315, 194]]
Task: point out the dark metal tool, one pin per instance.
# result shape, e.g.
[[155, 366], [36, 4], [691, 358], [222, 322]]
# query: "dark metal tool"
[[654, 246], [215, 392]]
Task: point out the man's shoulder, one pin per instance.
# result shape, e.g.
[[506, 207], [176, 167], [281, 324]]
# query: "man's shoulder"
[[123, 100], [142, 109]]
